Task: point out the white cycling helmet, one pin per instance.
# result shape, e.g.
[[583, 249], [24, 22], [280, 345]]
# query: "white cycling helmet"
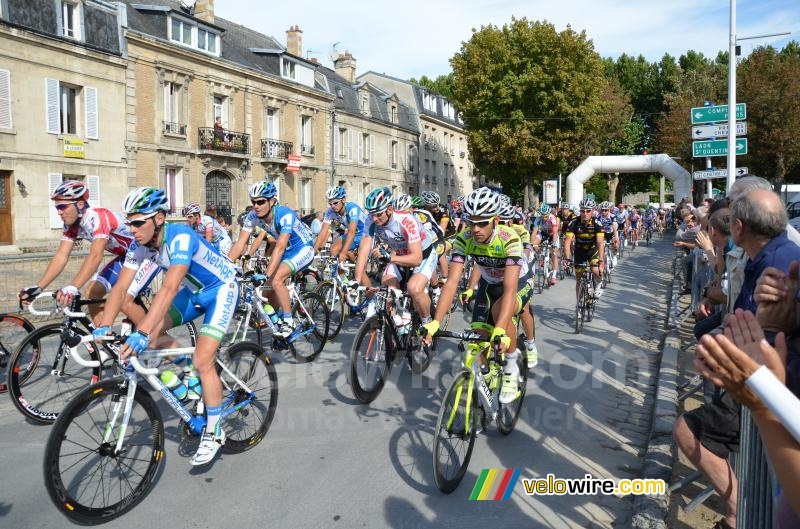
[[431, 198], [504, 199], [586, 203], [506, 212], [402, 203], [336, 192], [482, 202], [193, 208]]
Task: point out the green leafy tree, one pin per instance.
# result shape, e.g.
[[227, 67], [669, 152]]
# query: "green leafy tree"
[[442, 85]]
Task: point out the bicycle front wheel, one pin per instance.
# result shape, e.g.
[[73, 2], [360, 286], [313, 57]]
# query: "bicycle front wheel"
[[580, 306], [508, 414], [87, 478], [369, 359], [334, 299], [250, 395], [13, 329], [312, 319], [455, 434]]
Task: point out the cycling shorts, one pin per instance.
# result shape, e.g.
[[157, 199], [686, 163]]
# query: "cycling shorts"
[[427, 267], [218, 304], [108, 275], [582, 256], [488, 294], [356, 241], [298, 259]]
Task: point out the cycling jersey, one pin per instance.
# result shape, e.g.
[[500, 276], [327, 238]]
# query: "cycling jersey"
[[401, 230], [547, 224], [607, 223], [284, 221], [100, 223], [503, 249], [634, 219], [207, 224], [429, 225], [566, 219], [585, 235], [445, 213], [523, 233], [650, 219], [351, 212], [621, 217]]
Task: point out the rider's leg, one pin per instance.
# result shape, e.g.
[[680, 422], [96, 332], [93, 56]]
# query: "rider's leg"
[[96, 290], [281, 292], [422, 302]]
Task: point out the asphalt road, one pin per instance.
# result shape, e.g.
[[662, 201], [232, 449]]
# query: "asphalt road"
[[328, 461]]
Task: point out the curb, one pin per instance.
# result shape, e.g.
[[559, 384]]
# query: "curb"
[[650, 511]]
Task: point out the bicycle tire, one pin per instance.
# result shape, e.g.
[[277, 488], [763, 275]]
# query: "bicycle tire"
[[29, 365], [374, 328], [10, 321], [579, 307], [508, 414], [336, 308], [419, 357], [453, 407], [249, 356], [312, 315], [145, 425]]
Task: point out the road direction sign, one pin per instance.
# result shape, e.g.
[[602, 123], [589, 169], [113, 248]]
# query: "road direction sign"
[[711, 174], [716, 113], [700, 132], [717, 147]]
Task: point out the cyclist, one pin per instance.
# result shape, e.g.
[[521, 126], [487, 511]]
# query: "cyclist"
[[412, 260], [504, 289], [633, 220], [622, 223], [609, 224], [105, 231], [546, 227], [445, 219], [208, 228], [292, 252], [589, 243], [209, 287], [348, 215], [650, 220]]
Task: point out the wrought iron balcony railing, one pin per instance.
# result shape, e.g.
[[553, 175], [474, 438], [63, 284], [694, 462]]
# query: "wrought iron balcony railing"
[[174, 128], [211, 139], [276, 148]]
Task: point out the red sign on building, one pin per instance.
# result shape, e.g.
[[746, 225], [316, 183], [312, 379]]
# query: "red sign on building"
[[294, 163]]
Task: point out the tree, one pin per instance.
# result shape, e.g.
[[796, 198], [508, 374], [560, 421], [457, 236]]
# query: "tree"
[[441, 85], [532, 99]]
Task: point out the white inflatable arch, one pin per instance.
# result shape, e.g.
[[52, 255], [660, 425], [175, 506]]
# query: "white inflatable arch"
[[644, 163]]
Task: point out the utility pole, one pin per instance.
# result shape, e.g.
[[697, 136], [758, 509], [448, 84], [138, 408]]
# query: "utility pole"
[[732, 102]]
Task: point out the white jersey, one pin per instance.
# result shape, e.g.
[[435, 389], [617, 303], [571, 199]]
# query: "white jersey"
[[207, 224], [401, 230], [100, 223]]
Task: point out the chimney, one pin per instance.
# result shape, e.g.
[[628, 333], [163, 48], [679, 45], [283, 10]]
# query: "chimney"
[[345, 66], [204, 10], [294, 40], [314, 60]]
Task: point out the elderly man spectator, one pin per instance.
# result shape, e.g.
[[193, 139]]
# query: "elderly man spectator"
[[316, 224]]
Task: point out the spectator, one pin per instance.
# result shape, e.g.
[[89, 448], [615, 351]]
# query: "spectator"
[[219, 132], [316, 224], [240, 218]]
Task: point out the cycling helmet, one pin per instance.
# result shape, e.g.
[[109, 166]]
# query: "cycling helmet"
[[335, 193], [378, 200], [544, 209], [192, 208], [145, 200], [431, 198], [575, 209], [263, 189], [506, 212], [482, 202], [70, 190], [586, 203], [605, 205], [565, 205], [402, 203], [460, 199], [504, 199], [417, 202]]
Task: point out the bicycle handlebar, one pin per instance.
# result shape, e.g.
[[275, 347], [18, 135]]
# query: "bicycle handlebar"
[[73, 351]]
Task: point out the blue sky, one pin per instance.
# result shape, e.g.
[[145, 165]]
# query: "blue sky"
[[412, 38]]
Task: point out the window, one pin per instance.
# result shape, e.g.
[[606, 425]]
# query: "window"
[[70, 19], [343, 142], [219, 110], [433, 171], [393, 154], [366, 150], [5, 99], [305, 195], [68, 100], [288, 69], [181, 32], [394, 113], [206, 41], [172, 108], [339, 93], [188, 34], [273, 125], [307, 139], [365, 105], [64, 108], [173, 183], [411, 159]]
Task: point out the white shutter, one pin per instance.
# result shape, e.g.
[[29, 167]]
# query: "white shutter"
[[389, 151], [91, 112], [361, 149], [52, 106], [93, 182], [53, 180], [371, 149], [350, 145], [336, 144], [5, 99], [167, 103]]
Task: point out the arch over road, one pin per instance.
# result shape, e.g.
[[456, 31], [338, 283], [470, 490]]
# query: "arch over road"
[[643, 163]]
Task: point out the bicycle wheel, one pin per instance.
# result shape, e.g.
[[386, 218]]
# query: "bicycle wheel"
[[86, 478], [36, 391], [13, 330], [246, 426], [419, 357], [307, 280], [580, 307], [455, 434], [334, 300], [539, 279], [312, 322], [507, 414], [370, 358]]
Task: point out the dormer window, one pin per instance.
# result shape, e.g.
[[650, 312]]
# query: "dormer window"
[[339, 93], [71, 19], [364, 104], [288, 69], [393, 113], [206, 41], [189, 34]]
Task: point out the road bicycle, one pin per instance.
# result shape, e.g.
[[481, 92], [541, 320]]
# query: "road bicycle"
[[543, 267], [105, 450], [607, 260], [648, 235], [343, 296], [584, 306], [13, 328], [470, 404], [41, 375]]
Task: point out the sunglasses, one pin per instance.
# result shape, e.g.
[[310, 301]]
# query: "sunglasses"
[[138, 223], [479, 223], [586, 211], [259, 202], [62, 207], [334, 202]]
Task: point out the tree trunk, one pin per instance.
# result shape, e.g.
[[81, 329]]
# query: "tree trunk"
[[613, 182], [780, 174]]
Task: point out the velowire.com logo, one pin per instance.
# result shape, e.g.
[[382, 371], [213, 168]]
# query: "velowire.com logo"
[[495, 484]]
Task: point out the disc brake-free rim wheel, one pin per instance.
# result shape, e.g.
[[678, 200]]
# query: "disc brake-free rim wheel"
[[454, 437], [369, 359], [508, 414], [334, 299]]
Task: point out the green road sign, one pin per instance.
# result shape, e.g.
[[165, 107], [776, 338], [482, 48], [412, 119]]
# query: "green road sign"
[[716, 113], [717, 148]]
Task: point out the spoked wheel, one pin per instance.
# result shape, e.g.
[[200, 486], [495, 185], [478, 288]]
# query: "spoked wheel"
[[370, 358], [13, 329], [507, 414], [539, 279], [249, 382], [41, 376], [334, 299], [419, 356], [455, 434], [311, 320], [580, 307], [87, 477], [307, 280]]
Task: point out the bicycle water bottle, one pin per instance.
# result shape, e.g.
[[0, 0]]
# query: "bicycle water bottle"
[[174, 383], [267, 312], [193, 387]]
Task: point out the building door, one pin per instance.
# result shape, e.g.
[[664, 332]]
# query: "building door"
[[5, 208], [218, 194]]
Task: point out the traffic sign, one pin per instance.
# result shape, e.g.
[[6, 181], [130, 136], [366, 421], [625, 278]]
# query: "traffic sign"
[[700, 132], [716, 113], [717, 147], [294, 163], [712, 174]]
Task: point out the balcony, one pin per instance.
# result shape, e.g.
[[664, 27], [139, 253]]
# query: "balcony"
[[276, 149], [175, 129], [223, 140], [307, 149]]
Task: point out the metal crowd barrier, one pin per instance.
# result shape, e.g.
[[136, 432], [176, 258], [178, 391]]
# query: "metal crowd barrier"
[[756, 501]]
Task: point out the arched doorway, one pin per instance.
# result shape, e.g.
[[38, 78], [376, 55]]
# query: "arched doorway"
[[218, 193]]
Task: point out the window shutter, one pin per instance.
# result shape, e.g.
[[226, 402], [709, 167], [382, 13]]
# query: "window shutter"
[[389, 151], [53, 107], [91, 112], [350, 145], [371, 150], [361, 150], [5, 99], [53, 180], [94, 190], [336, 133]]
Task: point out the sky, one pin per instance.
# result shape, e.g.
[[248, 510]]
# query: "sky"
[[412, 38]]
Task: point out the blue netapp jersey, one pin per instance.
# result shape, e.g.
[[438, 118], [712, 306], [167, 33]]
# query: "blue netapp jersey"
[[607, 223], [180, 244], [285, 221], [622, 216], [352, 212]]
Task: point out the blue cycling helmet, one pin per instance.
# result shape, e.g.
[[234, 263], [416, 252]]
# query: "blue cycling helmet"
[[544, 209], [145, 200], [263, 189], [378, 200], [335, 193]]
